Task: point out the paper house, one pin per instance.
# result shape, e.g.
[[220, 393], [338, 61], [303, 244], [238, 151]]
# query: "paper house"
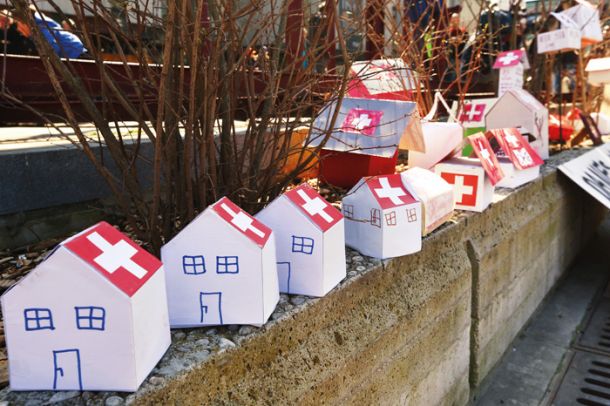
[[388, 79], [310, 241], [562, 40], [221, 269], [91, 316], [511, 65], [364, 139], [435, 194], [472, 115], [585, 17], [519, 162], [519, 109], [598, 71], [441, 139], [382, 219]]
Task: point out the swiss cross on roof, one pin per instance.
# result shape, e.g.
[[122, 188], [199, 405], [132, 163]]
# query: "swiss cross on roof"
[[115, 256], [509, 59], [362, 121], [318, 210], [473, 113], [488, 158], [389, 191], [516, 148], [242, 221]]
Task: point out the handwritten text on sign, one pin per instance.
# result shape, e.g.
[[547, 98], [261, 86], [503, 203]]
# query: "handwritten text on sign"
[[591, 172]]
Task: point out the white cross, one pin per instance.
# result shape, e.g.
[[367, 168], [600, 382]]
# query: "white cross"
[[361, 122], [485, 154], [389, 192], [315, 206], [508, 58], [460, 189], [512, 140], [242, 221], [472, 112], [116, 256]]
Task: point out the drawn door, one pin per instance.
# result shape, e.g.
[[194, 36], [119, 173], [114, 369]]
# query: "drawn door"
[[211, 308], [67, 374], [283, 276]]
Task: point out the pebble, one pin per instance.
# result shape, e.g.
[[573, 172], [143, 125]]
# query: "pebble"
[[62, 396], [211, 332], [357, 258], [361, 268], [225, 343], [276, 315], [179, 335], [283, 298], [156, 380], [114, 401], [233, 328], [297, 300], [204, 342], [246, 330], [351, 274]]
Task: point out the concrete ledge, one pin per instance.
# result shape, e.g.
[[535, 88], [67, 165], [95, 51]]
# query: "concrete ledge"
[[406, 331]]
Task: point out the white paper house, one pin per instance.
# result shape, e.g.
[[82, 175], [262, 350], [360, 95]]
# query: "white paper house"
[[91, 316], [221, 269], [382, 219], [369, 127], [598, 71], [511, 65], [519, 109], [585, 16], [310, 241], [472, 114], [472, 189], [519, 162], [435, 194], [388, 79]]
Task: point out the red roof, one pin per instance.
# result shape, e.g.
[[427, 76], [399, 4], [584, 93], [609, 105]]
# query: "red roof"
[[486, 155], [242, 221], [116, 257], [389, 191], [314, 207], [516, 148]]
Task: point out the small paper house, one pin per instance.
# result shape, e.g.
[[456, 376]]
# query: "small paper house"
[[585, 17], [221, 269], [310, 241], [473, 179], [370, 129], [388, 79], [472, 115], [598, 71], [511, 65], [519, 109], [382, 219], [91, 316], [562, 40], [435, 194], [519, 162]]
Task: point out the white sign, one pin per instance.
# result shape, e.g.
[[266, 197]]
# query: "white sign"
[[564, 39], [591, 172], [510, 78]]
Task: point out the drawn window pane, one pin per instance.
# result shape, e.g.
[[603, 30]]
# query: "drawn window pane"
[[38, 319], [390, 218], [348, 211], [302, 245], [376, 217], [90, 318], [411, 215], [193, 264], [227, 264]]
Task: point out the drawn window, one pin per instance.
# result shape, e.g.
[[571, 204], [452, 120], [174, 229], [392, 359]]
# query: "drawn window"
[[193, 265], [38, 319], [348, 211], [376, 217], [411, 215], [303, 245], [228, 264], [90, 318], [390, 218]]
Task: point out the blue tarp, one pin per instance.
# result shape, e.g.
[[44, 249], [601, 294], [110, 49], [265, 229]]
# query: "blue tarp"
[[64, 43]]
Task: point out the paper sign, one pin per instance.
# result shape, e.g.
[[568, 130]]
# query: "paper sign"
[[222, 269], [74, 324], [561, 40], [473, 112], [488, 159], [591, 172], [510, 78], [310, 241], [516, 148]]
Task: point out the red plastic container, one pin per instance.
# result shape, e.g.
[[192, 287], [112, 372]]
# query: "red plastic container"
[[345, 169]]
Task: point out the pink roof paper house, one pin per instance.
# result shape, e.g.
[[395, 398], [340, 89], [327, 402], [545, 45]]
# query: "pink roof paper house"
[[473, 179], [519, 109], [388, 79], [519, 162], [511, 65], [91, 316], [435, 194], [310, 241], [382, 219], [221, 269]]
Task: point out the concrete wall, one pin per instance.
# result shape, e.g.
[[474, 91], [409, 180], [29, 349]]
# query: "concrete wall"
[[422, 329]]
